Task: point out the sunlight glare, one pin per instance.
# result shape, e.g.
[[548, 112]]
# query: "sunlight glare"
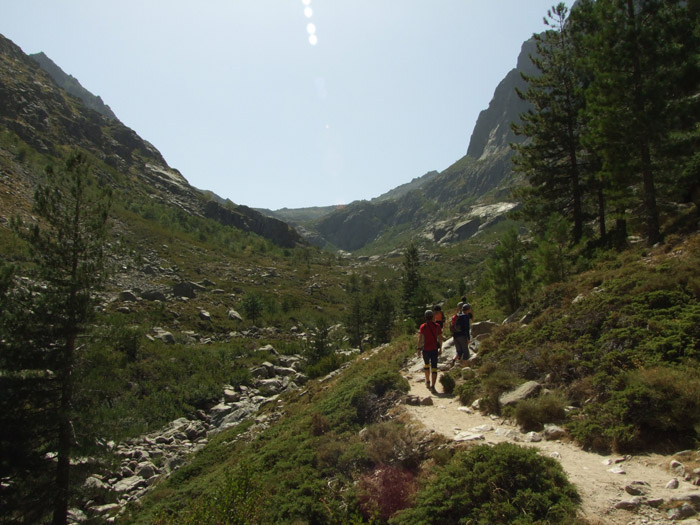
[[306, 2], [311, 29], [313, 40], [308, 12]]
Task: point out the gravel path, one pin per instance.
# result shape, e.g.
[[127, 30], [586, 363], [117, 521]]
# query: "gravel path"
[[601, 480]]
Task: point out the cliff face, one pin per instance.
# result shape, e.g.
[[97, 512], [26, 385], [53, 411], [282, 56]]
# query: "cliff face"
[[492, 130], [52, 112]]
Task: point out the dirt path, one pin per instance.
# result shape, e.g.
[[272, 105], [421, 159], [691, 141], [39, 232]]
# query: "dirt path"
[[601, 480]]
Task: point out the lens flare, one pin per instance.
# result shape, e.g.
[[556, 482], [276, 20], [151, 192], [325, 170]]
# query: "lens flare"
[[313, 40], [308, 12]]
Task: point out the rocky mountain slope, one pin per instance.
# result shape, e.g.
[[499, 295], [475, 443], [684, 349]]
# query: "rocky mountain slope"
[[437, 206], [72, 85], [44, 118]]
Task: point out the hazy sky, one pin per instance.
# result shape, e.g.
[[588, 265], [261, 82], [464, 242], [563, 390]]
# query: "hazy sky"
[[288, 103]]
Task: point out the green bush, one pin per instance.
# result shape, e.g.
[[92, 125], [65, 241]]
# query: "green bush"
[[533, 414], [500, 484], [493, 385], [448, 383], [655, 407], [466, 392]]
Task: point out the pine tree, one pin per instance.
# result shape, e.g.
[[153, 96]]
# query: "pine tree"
[[551, 159], [509, 270], [414, 296], [634, 55], [68, 248]]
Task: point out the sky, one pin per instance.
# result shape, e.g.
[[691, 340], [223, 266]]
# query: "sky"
[[288, 103]]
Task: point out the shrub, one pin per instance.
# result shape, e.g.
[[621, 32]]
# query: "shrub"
[[532, 414], [466, 393], [385, 491], [493, 386], [236, 500], [657, 407], [500, 484], [448, 383], [389, 443]]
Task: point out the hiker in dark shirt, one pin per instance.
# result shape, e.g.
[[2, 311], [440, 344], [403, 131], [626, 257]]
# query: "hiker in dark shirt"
[[461, 333], [430, 345]]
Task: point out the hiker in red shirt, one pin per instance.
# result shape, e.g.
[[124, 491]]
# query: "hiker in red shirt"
[[430, 344]]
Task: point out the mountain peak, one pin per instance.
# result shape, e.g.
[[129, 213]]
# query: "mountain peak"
[[70, 84]]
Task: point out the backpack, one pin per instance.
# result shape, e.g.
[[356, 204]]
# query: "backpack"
[[452, 323]]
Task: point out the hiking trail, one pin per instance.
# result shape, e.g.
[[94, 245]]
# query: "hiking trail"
[[601, 480]]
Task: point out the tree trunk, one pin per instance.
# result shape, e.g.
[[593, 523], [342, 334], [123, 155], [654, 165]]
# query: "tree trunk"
[[65, 437]]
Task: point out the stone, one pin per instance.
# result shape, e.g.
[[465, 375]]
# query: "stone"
[[100, 510], [468, 436], [681, 513], [637, 488], [146, 470], [632, 504], [185, 289], [533, 437], [94, 484], [524, 391], [268, 348], [233, 315], [617, 470], [204, 315], [231, 396], [553, 432], [482, 328], [128, 296], [677, 467], [427, 402], [129, 484], [154, 295], [673, 484], [412, 400], [164, 336]]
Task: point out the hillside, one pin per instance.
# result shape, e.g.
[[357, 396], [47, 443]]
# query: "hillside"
[[41, 119], [217, 369]]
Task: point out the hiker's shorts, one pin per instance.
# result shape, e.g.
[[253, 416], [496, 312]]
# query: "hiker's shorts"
[[462, 346], [430, 358]]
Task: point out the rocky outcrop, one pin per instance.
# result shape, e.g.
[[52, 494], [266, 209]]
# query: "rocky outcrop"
[[492, 132], [248, 219], [72, 85]]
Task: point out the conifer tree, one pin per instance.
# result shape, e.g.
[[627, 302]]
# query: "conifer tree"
[[509, 271], [551, 159], [414, 296], [634, 56], [68, 248]]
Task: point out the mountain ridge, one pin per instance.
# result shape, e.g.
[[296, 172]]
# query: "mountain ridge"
[[49, 119]]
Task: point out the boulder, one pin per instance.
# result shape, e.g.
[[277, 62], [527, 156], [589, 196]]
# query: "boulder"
[[482, 328], [553, 432], [128, 296], [146, 470], [186, 289], [233, 315], [204, 315], [129, 484], [524, 391], [163, 335], [154, 295], [681, 513]]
